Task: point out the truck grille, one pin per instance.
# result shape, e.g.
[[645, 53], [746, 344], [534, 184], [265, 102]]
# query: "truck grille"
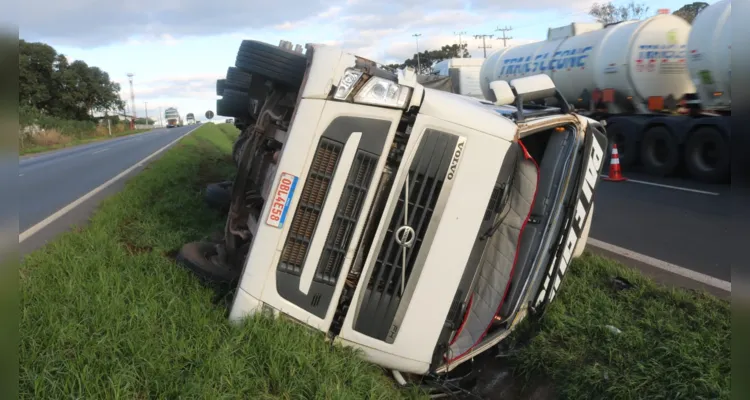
[[347, 214], [383, 296], [310, 205]]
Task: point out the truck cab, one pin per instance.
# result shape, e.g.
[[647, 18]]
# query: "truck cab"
[[417, 225]]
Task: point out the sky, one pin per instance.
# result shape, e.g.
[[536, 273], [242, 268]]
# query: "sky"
[[176, 49]]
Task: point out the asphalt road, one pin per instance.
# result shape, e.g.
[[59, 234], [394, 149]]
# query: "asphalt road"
[[684, 228], [50, 181]]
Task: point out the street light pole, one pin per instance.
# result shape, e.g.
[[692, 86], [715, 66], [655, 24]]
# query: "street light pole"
[[419, 64], [146, 109]]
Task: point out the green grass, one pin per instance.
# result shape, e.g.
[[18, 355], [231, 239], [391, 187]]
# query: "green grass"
[[106, 313], [674, 343], [36, 149]]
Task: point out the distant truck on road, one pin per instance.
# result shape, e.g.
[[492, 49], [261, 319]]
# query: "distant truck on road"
[[172, 116], [190, 118]]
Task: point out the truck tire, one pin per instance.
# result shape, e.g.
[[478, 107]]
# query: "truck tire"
[[238, 79], [220, 85], [237, 103], [202, 259], [627, 145], [278, 65], [660, 151], [221, 109], [707, 155]]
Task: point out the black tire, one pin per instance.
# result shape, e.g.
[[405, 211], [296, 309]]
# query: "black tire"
[[221, 109], [219, 195], [238, 79], [278, 65], [707, 155], [202, 259], [660, 152], [237, 104], [627, 145], [220, 85]]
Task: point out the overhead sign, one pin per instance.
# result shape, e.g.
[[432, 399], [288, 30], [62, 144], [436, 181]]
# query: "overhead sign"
[[209, 114]]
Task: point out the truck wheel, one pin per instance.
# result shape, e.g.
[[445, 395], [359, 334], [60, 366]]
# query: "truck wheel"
[[278, 65], [238, 79], [203, 259], [237, 103], [707, 155], [221, 109], [220, 84], [660, 152], [627, 146]]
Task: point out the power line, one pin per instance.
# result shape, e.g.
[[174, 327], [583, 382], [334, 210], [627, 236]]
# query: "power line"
[[504, 38], [484, 43]]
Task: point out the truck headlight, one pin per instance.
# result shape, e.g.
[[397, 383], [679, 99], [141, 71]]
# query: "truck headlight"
[[375, 91]]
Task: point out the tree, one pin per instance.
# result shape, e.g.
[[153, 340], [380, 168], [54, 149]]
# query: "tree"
[[608, 13], [54, 86], [428, 58], [689, 11]]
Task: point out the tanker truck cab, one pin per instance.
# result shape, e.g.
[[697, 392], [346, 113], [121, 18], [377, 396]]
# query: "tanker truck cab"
[[416, 225]]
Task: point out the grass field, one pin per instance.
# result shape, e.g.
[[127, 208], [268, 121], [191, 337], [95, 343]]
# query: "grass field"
[[106, 313], [673, 343]]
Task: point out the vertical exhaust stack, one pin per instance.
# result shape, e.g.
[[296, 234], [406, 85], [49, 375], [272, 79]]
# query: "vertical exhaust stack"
[[298, 48]]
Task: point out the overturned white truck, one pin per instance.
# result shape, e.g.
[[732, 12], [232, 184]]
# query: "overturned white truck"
[[417, 225]]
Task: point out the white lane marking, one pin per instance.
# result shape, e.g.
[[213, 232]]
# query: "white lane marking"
[[100, 151], [20, 174], [671, 187], [59, 213], [662, 265]]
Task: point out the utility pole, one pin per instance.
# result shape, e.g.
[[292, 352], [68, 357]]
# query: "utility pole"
[[419, 64], [132, 100], [460, 43], [484, 44], [504, 38], [160, 122], [146, 109]]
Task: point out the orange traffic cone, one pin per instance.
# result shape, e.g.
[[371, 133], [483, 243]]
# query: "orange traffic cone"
[[615, 173]]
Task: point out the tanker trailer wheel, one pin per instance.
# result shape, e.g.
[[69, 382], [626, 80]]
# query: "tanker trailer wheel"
[[278, 65], [627, 145], [660, 152], [220, 85], [707, 155]]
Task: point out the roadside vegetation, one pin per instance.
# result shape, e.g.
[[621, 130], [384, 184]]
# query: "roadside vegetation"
[[614, 334], [106, 312], [64, 103]]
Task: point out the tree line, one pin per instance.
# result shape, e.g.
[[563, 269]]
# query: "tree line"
[[606, 13], [50, 85]]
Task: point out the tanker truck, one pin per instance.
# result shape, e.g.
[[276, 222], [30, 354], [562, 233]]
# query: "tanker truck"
[[662, 86]]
